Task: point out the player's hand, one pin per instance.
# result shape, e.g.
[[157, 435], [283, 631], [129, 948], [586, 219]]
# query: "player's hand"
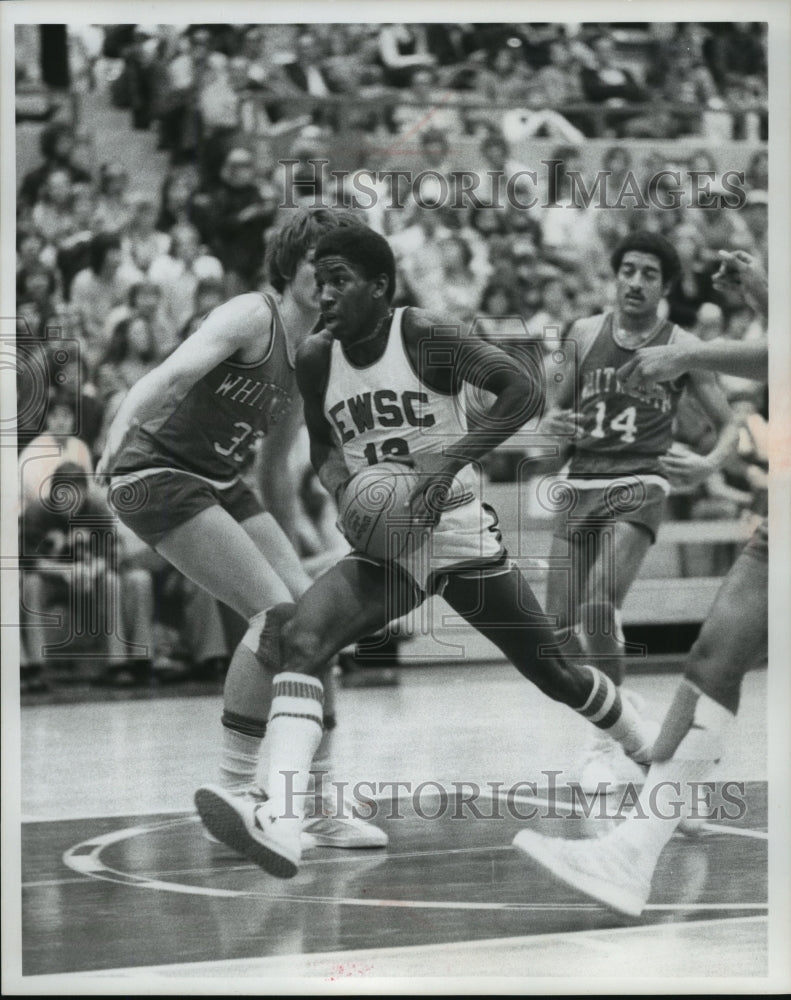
[[562, 423], [651, 365], [427, 499], [741, 273], [685, 468]]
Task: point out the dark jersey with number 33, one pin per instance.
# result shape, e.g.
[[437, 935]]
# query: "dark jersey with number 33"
[[212, 430]]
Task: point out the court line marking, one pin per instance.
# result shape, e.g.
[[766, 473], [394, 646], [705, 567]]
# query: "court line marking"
[[519, 945], [84, 858]]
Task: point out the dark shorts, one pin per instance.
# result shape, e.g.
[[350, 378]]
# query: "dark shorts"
[[758, 544], [634, 498], [152, 503]]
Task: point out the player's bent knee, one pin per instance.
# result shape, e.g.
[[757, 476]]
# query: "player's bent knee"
[[301, 651], [264, 634]]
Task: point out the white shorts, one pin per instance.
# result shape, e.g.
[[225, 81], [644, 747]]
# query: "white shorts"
[[466, 538]]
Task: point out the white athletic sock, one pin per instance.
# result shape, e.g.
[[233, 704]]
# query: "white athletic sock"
[[292, 737], [666, 794], [239, 759], [610, 712]]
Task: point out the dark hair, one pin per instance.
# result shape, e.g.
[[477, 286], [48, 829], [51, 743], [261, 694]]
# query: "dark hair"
[[117, 349], [99, 247], [48, 139], [289, 244], [364, 248], [139, 286], [433, 135], [209, 285], [643, 241]]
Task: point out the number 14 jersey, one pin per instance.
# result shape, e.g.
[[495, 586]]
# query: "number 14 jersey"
[[622, 431]]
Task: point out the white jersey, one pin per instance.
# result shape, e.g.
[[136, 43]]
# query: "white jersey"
[[384, 410]]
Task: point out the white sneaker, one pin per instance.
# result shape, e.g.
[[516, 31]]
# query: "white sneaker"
[[333, 828], [595, 866], [247, 824]]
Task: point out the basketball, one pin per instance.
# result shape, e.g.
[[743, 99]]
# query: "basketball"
[[373, 515]]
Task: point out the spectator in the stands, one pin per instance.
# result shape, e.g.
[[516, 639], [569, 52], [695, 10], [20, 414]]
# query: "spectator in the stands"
[[424, 112], [100, 288], [138, 342], [231, 218], [57, 145], [608, 81], [65, 567], [32, 252], [756, 217], [505, 77], [113, 211], [556, 310], [402, 49], [38, 296], [53, 215], [693, 286], [561, 77], [209, 294], [58, 442], [179, 273], [459, 291], [757, 173], [73, 250], [141, 241], [569, 228], [175, 198]]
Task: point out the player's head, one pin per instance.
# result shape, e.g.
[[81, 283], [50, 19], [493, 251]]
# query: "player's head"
[[644, 241], [355, 271], [292, 244], [645, 265]]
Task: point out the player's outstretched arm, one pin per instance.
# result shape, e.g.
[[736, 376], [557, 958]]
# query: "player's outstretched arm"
[[242, 323], [741, 273], [748, 359], [312, 369], [738, 273]]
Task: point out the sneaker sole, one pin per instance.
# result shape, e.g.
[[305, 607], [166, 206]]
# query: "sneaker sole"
[[224, 822], [616, 898]]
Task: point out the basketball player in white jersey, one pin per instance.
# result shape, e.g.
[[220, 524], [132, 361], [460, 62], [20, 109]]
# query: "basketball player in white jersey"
[[379, 383], [617, 868]]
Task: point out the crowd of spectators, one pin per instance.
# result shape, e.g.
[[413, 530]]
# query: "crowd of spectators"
[[127, 274]]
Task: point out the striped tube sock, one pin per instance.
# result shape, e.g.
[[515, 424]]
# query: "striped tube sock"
[[607, 710], [666, 796], [292, 739]]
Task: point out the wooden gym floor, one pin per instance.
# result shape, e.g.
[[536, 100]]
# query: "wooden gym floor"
[[119, 887]]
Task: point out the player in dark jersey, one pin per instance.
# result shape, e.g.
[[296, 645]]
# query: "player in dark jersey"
[[174, 460], [379, 382], [622, 461], [617, 868]]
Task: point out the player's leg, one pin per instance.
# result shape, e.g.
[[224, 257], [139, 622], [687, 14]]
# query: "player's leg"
[[563, 586], [502, 606], [618, 867], [324, 824], [351, 599], [620, 552], [217, 554]]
